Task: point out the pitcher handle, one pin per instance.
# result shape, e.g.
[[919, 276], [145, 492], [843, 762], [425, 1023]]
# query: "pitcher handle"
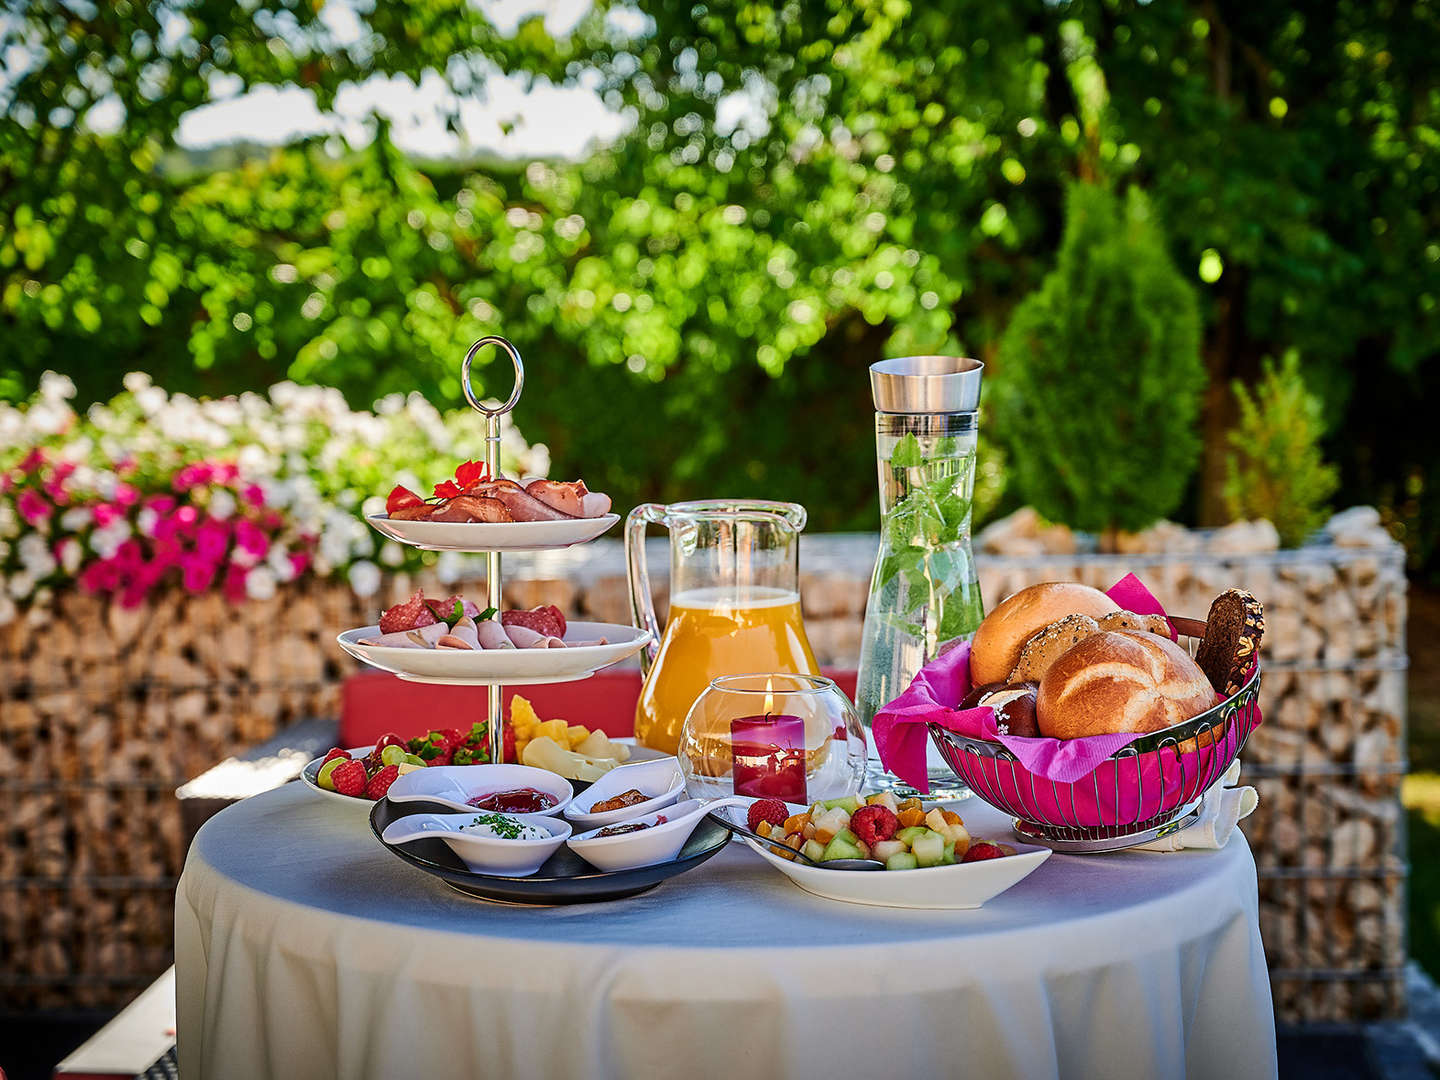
[[642, 603]]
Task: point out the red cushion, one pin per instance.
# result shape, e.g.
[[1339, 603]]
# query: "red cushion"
[[374, 702]]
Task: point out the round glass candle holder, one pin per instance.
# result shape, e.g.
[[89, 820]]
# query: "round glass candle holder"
[[791, 737]]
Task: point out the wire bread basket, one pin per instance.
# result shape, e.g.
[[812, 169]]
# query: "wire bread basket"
[[1149, 788]]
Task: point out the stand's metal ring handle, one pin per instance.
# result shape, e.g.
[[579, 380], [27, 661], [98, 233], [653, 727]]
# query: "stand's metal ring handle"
[[514, 354]]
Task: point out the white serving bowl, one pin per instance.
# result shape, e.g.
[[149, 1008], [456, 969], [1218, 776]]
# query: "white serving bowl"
[[657, 844], [456, 785], [484, 854], [660, 779], [310, 777], [493, 535]]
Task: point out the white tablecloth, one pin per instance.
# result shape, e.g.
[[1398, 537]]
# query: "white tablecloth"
[[304, 949]]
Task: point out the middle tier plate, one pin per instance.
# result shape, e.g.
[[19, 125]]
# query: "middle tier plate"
[[481, 536], [509, 666]]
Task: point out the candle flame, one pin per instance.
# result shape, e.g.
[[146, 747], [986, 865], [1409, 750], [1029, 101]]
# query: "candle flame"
[[769, 696]]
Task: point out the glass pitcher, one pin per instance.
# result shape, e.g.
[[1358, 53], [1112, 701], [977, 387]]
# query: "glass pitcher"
[[734, 603]]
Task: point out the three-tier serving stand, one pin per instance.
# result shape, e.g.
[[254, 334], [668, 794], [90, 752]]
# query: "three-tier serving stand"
[[493, 415]]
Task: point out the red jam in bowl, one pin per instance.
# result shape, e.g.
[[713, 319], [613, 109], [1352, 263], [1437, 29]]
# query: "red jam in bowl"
[[525, 800]]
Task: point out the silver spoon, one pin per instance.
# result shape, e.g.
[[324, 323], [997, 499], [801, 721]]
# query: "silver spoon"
[[828, 864]]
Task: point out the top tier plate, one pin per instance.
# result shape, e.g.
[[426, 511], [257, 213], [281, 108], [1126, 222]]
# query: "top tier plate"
[[493, 535]]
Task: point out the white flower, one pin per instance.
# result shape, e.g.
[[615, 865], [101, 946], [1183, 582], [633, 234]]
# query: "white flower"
[[70, 554], [222, 504], [9, 520], [151, 399], [391, 554], [76, 518], [35, 555], [8, 610], [21, 585], [365, 578], [55, 387], [105, 542], [135, 381], [278, 559], [260, 583], [146, 520]]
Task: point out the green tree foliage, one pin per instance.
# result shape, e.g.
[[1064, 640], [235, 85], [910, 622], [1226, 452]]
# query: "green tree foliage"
[[1103, 375], [895, 187], [1274, 468]]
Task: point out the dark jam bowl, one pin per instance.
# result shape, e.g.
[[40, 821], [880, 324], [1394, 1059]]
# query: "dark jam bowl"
[[525, 800]]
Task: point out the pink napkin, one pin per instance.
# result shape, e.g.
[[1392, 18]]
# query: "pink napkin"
[[900, 729]]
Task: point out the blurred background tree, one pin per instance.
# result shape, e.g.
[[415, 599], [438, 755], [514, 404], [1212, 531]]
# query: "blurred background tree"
[[800, 188]]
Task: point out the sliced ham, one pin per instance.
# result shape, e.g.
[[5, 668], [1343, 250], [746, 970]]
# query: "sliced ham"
[[565, 496], [594, 504], [450, 641], [465, 630], [468, 508], [492, 635], [424, 638], [524, 638], [522, 505]]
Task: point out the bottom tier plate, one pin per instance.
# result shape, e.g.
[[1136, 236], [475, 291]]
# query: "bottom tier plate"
[[565, 878]]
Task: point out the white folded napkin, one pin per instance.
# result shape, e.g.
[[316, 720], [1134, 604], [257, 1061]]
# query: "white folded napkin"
[[1221, 809]]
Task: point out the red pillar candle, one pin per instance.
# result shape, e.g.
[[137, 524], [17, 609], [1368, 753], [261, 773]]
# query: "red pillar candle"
[[769, 756]]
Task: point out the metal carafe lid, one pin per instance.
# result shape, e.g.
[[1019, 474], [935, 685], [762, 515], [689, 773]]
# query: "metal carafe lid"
[[926, 384]]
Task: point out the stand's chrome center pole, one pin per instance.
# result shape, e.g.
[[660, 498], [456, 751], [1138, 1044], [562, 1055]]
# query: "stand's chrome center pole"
[[492, 467]]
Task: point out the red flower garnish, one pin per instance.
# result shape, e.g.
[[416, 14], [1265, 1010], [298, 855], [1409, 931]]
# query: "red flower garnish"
[[401, 498], [469, 474]]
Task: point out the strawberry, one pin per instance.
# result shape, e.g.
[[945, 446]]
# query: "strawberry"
[[349, 778], [874, 824], [388, 739], [380, 783], [771, 810], [335, 752], [981, 851]]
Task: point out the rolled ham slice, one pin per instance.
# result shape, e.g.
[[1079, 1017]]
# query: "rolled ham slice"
[[565, 496], [524, 638], [424, 638], [492, 635], [450, 641], [522, 505], [594, 504], [468, 508], [465, 631]]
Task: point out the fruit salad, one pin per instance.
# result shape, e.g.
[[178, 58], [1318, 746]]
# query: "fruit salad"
[[903, 834]]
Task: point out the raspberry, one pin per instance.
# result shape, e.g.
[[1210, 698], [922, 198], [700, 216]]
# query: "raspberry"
[[873, 824], [771, 810], [380, 783], [981, 851], [349, 778], [335, 752]]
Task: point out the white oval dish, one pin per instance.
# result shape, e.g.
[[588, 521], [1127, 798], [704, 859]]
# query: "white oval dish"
[[963, 885], [484, 854], [493, 535], [455, 785], [660, 779], [309, 776], [657, 844], [510, 666]]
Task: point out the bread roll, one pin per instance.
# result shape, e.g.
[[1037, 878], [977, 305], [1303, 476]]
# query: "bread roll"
[[1121, 681], [996, 648]]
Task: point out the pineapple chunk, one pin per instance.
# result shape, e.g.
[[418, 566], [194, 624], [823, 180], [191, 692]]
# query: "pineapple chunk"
[[885, 848], [952, 817], [808, 831], [960, 837], [596, 744], [557, 730], [575, 734]]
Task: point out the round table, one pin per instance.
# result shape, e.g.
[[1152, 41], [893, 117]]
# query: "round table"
[[303, 948]]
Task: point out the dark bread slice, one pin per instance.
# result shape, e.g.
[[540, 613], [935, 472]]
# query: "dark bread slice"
[[1232, 639]]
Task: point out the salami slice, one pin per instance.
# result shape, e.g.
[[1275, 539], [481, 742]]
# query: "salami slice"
[[444, 609], [546, 619], [411, 615]]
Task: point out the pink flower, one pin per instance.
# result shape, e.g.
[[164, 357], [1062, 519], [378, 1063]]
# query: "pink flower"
[[33, 508], [129, 554], [106, 513], [211, 540], [299, 561], [187, 516], [126, 495], [161, 504], [254, 494], [33, 460], [198, 573], [250, 539], [235, 583], [225, 472]]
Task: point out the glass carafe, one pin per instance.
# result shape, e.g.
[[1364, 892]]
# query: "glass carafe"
[[924, 594], [734, 603]]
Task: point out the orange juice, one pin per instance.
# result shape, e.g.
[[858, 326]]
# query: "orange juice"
[[717, 631]]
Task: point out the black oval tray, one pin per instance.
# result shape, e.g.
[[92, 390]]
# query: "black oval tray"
[[565, 878]]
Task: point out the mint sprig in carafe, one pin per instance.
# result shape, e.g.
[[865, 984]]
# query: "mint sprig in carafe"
[[924, 593]]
